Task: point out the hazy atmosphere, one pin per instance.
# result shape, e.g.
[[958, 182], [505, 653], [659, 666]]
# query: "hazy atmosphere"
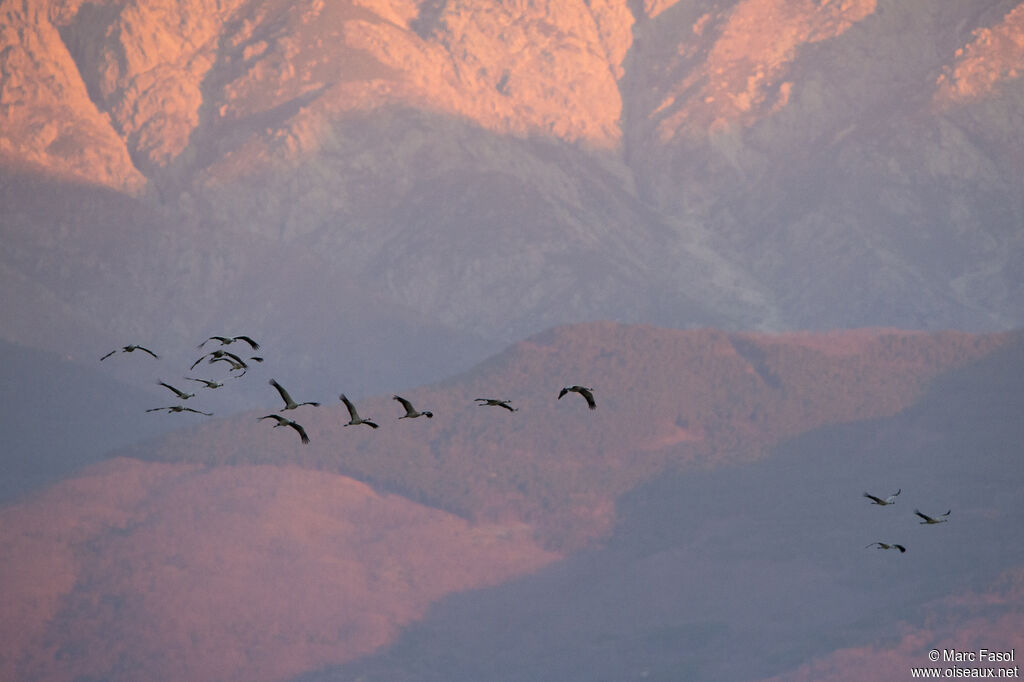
[[705, 316]]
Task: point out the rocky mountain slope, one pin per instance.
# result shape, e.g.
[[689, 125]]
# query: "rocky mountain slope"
[[479, 171]]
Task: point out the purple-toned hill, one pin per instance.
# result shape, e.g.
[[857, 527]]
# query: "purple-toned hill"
[[716, 467]]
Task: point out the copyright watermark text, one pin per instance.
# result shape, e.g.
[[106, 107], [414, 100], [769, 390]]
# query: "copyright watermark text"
[[980, 658]]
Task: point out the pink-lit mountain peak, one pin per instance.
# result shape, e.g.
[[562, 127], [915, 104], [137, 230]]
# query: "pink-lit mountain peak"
[[155, 79]]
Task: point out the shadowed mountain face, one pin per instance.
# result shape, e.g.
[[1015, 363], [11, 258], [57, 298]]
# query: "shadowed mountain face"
[[714, 505], [351, 179], [59, 416]]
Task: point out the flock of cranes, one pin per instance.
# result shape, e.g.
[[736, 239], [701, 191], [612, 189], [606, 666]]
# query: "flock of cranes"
[[239, 365], [928, 520]]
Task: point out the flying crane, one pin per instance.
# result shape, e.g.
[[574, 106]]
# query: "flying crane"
[[583, 391], [879, 501], [179, 408], [931, 521], [494, 402], [354, 418], [129, 349], [282, 421], [884, 545], [410, 411], [289, 404], [181, 394], [228, 340]]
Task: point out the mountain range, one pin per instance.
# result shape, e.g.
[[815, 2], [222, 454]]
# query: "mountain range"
[[781, 240], [355, 173]]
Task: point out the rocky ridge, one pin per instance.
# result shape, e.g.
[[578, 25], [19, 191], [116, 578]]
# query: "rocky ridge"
[[741, 164]]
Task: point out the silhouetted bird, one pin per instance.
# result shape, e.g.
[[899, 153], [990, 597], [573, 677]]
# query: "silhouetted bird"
[[209, 384], [281, 421], [883, 545], [354, 418], [220, 355], [235, 366], [410, 411], [129, 349], [179, 408], [227, 340], [929, 520], [583, 391], [289, 404], [878, 500], [494, 402], [180, 394]]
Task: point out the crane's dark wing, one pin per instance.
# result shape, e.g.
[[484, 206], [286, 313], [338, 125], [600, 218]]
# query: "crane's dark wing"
[[235, 358], [248, 340], [189, 409], [223, 341], [283, 393], [302, 431], [924, 516], [585, 392], [901, 548], [143, 348], [879, 500], [409, 409], [108, 355], [180, 394], [370, 423], [277, 417], [351, 408]]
